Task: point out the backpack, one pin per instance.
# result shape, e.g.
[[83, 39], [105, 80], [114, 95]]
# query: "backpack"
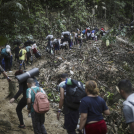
[[88, 31], [41, 103], [74, 93], [4, 53], [34, 51], [20, 54]]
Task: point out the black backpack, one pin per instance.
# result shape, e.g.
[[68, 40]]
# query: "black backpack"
[[74, 94], [20, 54], [88, 31]]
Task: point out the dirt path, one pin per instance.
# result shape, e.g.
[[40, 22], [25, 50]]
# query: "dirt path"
[[9, 120]]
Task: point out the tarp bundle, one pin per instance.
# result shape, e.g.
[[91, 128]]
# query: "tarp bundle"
[[49, 37], [34, 72], [67, 32]]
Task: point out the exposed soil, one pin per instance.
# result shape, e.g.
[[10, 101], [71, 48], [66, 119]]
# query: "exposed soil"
[[9, 121]]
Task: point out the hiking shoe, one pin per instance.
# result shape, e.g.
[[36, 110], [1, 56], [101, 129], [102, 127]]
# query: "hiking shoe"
[[20, 126]]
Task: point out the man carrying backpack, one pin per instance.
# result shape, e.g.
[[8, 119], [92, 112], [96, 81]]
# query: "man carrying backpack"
[[71, 110], [6, 54], [88, 33], [126, 92], [35, 95], [22, 57], [29, 52]]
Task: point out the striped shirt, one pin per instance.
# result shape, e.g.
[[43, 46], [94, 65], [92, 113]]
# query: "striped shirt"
[[30, 94]]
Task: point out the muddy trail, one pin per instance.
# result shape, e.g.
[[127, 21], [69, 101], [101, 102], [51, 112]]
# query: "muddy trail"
[[94, 61]]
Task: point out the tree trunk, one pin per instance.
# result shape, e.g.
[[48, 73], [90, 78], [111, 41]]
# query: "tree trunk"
[[12, 89]]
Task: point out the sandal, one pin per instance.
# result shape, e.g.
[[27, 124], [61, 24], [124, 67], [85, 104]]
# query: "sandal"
[[20, 126]]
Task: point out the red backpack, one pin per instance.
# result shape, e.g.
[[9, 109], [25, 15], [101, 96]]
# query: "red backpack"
[[34, 51], [41, 103]]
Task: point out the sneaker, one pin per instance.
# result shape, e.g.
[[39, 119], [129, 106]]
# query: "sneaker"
[[22, 126]]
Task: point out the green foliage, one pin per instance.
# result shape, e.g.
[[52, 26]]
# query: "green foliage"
[[110, 95]]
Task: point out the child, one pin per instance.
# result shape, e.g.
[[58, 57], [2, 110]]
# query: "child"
[[37, 119]]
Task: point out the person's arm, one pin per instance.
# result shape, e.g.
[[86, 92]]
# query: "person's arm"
[[29, 105], [107, 112], [61, 102], [83, 119], [26, 56], [4, 73], [18, 93], [132, 127]]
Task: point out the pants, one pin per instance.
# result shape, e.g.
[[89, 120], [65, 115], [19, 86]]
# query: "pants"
[[96, 128], [38, 123], [80, 42], [22, 103], [28, 56], [7, 64], [88, 36], [21, 62], [71, 120], [75, 41], [17, 58]]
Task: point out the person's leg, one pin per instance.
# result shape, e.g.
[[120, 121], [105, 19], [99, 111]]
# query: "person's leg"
[[42, 121], [9, 64], [71, 121], [22, 103], [38, 123], [23, 64], [6, 64]]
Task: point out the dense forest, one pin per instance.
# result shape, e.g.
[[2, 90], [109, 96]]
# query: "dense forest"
[[35, 19], [106, 64]]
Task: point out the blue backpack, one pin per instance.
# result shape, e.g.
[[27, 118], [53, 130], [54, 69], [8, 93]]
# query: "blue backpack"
[[84, 31], [3, 52]]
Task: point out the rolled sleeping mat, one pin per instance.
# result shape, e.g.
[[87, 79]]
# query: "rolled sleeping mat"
[[23, 77], [68, 33], [49, 36]]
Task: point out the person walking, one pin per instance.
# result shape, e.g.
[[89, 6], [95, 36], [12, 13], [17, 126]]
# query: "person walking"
[[126, 92], [22, 57], [29, 52], [38, 119], [23, 102], [91, 108], [71, 116]]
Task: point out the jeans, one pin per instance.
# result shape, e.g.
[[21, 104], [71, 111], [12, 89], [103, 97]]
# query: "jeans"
[[38, 123], [7, 64], [21, 62]]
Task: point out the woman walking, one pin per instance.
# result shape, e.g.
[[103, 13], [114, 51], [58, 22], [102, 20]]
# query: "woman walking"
[[91, 108]]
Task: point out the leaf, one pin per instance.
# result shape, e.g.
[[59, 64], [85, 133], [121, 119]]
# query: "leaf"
[[3, 40]]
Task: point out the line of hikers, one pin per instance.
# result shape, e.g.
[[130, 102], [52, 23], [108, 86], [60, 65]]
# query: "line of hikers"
[[69, 39], [22, 54], [77, 102]]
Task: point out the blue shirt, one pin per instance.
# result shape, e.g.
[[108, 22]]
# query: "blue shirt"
[[30, 94], [28, 48], [94, 107]]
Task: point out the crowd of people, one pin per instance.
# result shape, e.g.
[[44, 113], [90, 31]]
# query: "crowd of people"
[[70, 39], [23, 54], [80, 104]]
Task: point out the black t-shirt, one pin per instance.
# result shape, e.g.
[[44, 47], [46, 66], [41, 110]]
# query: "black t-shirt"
[[94, 107], [17, 49]]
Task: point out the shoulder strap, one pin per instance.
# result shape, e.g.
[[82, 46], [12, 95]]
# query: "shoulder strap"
[[131, 103], [33, 91], [39, 89]]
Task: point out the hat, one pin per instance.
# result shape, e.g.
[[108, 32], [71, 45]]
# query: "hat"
[[7, 48], [64, 75]]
